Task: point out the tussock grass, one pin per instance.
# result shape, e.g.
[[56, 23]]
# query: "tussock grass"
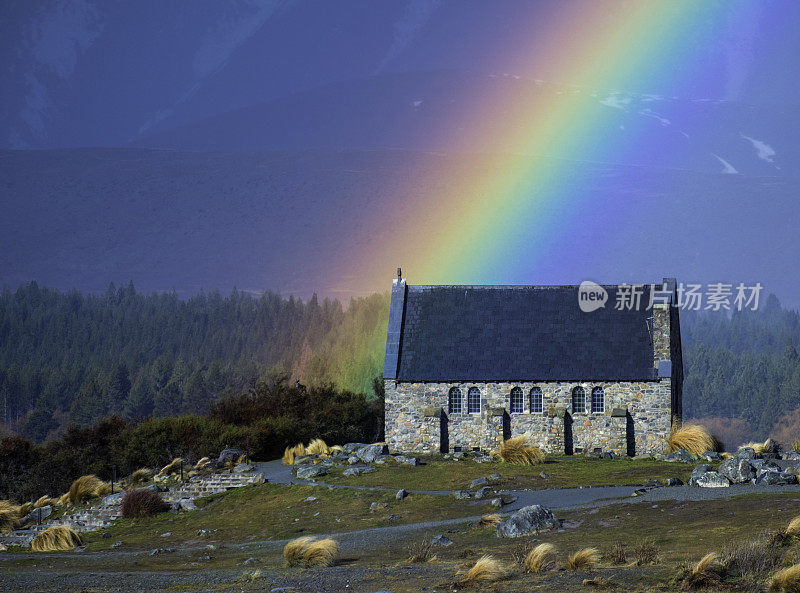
[[291, 452], [173, 467], [63, 500], [142, 503], [9, 515], [585, 558], [540, 558], [600, 583], [421, 551], [519, 451], [140, 476], [318, 446], [708, 572], [645, 552], [618, 554], [203, 463], [786, 580], [793, 528], [25, 509], [692, 437], [308, 551], [752, 559], [45, 501], [486, 569], [56, 539], [87, 487], [492, 520]]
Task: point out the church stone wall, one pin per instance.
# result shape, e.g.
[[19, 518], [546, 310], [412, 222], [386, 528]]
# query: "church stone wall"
[[636, 419]]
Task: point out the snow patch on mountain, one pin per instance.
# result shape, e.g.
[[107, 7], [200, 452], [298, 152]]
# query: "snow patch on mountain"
[[763, 150], [727, 168]]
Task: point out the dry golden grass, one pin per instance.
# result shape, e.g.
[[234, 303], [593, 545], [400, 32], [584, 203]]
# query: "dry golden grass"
[[308, 551], [518, 450], [87, 487], [140, 476], [708, 572], [421, 551], [45, 501], [725, 455], [618, 554], [318, 446], [9, 515], [585, 558], [56, 539], [761, 448], [491, 520], [692, 437], [202, 464], [786, 580], [793, 528], [173, 467], [486, 569], [63, 500], [291, 452], [600, 583], [540, 558], [25, 509]]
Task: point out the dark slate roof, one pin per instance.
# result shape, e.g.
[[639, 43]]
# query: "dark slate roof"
[[514, 333]]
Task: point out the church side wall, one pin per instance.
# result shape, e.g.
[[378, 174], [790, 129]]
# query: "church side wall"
[[636, 418]]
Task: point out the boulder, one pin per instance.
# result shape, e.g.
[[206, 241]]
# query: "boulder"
[[381, 459], [681, 455], [401, 494], [229, 455], [699, 471], [243, 468], [765, 465], [544, 475], [527, 520], [308, 472], [461, 495], [441, 540], [36, 515], [745, 453], [674, 482], [484, 492], [774, 478], [370, 453], [737, 470], [495, 477], [478, 482], [711, 456], [357, 471], [353, 447], [304, 459], [406, 460], [352, 460], [112, 499], [496, 502], [791, 456], [187, 504], [712, 480], [376, 506]]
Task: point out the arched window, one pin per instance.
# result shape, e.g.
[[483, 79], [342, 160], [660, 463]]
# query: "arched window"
[[537, 405], [454, 401], [598, 401], [474, 400], [516, 401], [578, 401]]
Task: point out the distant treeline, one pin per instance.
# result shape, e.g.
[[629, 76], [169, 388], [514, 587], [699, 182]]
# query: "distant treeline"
[[259, 421], [68, 358]]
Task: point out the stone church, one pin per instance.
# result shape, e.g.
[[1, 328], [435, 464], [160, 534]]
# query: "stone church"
[[469, 366]]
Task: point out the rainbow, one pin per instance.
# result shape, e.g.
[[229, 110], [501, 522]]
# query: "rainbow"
[[501, 215]]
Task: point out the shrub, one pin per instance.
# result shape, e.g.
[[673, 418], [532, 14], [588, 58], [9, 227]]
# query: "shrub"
[[645, 552], [786, 580], [585, 558], [618, 554], [87, 487], [140, 476], [142, 502], [56, 539], [421, 551], [487, 568], [692, 437], [518, 450], [540, 558], [308, 551]]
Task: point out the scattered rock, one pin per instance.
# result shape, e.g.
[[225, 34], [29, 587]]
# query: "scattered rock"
[[393, 518], [737, 470], [530, 519], [791, 456], [305, 459], [106, 535], [461, 495], [544, 475], [711, 456], [352, 460], [674, 482], [378, 505], [484, 492], [370, 453], [243, 468], [698, 471], [496, 502], [310, 499], [746, 453], [357, 471], [309, 472], [353, 447], [441, 540], [478, 482], [406, 460], [167, 534], [681, 455], [401, 494], [774, 478], [229, 455], [187, 504], [495, 477], [712, 480], [116, 544], [112, 499], [159, 551], [249, 561]]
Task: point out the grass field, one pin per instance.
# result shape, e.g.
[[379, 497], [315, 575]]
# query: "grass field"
[[563, 472]]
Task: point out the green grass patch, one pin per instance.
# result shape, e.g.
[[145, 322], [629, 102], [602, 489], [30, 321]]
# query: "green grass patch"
[[567, 471]]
